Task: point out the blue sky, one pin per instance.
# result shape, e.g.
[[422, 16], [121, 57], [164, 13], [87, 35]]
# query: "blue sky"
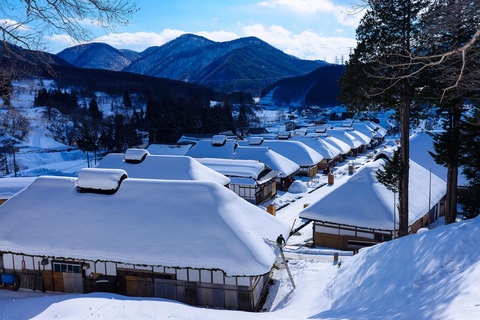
[[308, 29]]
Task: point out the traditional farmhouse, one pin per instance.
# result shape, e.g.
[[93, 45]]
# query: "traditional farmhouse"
[[138, 163], [290, 125], [355, 145], [307, 158], [344, 148], [228, 149], [366, 140], [250, 179], [287, 169], [190, 241], [361, 211], [330, 154], [11, 186]]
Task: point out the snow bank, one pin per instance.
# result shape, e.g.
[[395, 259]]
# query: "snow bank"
[[298, 187], [433, 275]]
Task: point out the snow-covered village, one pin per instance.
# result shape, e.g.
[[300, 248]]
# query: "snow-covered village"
[[303, 159]]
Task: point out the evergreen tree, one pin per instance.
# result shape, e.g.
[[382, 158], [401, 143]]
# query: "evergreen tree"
[[443, 33], [470, 196], [126, 100], [378, 73]]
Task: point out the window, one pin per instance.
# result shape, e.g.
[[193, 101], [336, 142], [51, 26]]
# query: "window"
[[65, 267]]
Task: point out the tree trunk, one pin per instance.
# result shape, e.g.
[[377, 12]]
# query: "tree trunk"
[[405, 167], [452, 173]]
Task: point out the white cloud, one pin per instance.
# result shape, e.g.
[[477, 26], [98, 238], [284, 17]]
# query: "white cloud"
[[139, 41], [305, 45], [218, 35], [12, 24], [343, 14]]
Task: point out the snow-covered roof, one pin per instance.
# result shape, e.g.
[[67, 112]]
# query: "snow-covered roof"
[[255, 140], [135, 155], [205, 149], [154, 222], [169, 149], [347, 123], [296, 151], [11, 186], [363, 138], [219, 140], [337, 143], [235, 168], [344, 136], [284, 135], [386, 152], [327, 150], [100, 179], [300, 132], [274, 160], [364, 127], [164, 167], [363, 202], [420, 144]]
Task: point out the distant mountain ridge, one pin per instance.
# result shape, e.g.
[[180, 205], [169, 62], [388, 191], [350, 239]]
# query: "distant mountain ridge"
[[319, 87], [246, 64]]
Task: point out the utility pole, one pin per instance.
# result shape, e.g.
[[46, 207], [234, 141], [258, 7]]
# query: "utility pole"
[[154, 134]]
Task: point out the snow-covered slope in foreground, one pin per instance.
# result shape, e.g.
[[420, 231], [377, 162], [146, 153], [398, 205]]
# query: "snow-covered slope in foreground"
[[431, 275]]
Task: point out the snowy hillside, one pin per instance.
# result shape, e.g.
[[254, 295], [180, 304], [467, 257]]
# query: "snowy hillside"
[[97, 56]]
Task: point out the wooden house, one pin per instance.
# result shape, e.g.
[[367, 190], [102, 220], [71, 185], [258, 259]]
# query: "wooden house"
[[344, 148], [146, 166], [330, 154], [229, 149], [287, 169], [190, 241], [361, 211], [307, 158], [356, 146], [250, 179], [290, 125]]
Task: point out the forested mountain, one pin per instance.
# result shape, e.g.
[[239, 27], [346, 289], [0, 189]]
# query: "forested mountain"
[[98, 56], [247, 64], [319, 87]]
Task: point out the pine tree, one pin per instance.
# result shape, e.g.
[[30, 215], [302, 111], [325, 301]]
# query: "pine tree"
[[470, 196], [443, 33], [378, 73]]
